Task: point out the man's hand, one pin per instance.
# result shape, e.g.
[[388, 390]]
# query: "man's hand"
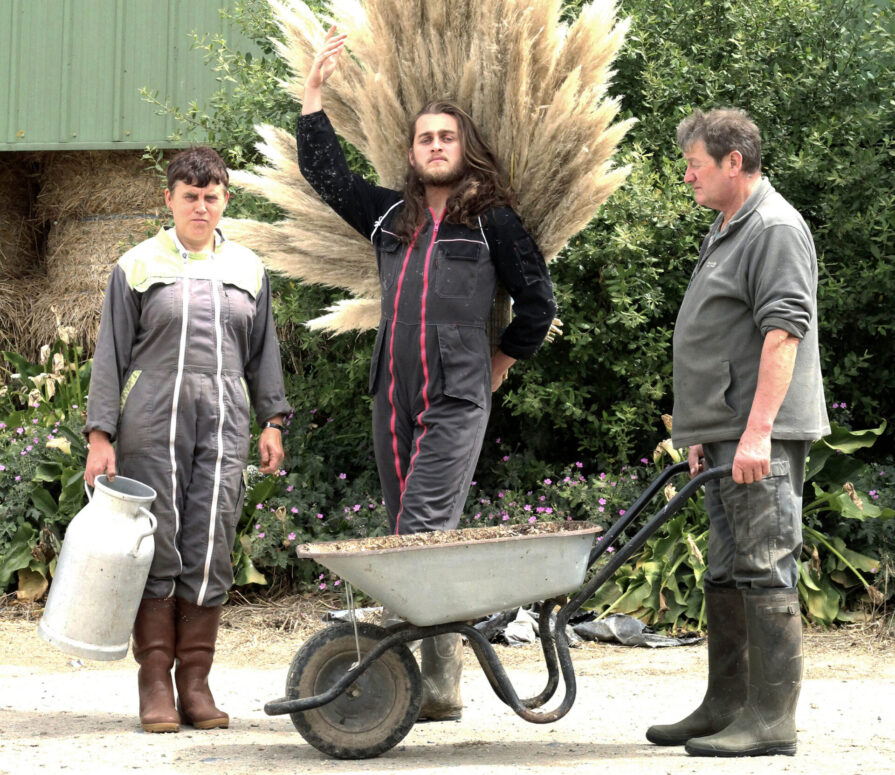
[[752, 460], [500, 365], [323, 66], [100, 457], [695, 459], [270, 448], [753, 456]]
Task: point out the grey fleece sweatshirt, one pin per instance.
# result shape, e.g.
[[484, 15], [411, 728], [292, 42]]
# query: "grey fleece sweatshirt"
[[758, 274]]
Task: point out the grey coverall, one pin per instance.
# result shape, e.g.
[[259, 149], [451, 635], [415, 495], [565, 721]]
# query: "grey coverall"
[[431, 368], [185, 340]]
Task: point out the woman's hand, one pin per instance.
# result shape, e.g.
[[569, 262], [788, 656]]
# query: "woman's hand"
[[322, 68], [100, 457], [270, 448]]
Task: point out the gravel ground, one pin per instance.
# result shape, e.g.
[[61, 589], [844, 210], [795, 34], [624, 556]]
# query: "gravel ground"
[[61, 715]]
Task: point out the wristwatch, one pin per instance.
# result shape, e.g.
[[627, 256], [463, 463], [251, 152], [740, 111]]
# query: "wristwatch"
[[276, 425]]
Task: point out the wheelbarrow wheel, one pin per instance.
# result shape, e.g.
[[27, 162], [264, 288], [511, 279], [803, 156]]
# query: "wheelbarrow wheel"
[[373, 714]]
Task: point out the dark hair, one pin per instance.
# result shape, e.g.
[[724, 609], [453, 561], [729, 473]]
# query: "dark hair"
[[722, 131], [482, 184], [198, 166]]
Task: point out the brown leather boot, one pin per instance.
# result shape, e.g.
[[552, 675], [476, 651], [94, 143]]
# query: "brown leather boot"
[[153, 646], [197, 631]]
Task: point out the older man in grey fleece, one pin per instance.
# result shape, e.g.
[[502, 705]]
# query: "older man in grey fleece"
[[748, 393]]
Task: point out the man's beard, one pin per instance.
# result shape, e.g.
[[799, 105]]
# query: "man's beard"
[[442, 177]]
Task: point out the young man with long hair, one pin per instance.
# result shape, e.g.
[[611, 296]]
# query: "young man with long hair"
[[441, 246]]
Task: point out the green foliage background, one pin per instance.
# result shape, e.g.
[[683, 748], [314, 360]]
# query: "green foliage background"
[[816, 76]]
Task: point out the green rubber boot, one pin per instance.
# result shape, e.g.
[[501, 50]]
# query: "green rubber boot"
[[441, 665], [728, 671], [766, 726]]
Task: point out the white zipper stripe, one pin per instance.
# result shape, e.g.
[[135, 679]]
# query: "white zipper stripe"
[[470, 241], [482, 229], [216, 491], [175, 404], [382, 218]]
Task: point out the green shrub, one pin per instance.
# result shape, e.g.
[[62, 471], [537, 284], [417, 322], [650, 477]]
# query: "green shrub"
[[816, 76]]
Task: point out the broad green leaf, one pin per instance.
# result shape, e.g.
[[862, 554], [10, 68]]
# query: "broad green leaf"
[[47, 472], [847, 441], [44, 502], [18, 554]]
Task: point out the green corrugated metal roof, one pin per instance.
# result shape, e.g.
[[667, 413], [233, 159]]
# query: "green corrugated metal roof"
[[71, 70]]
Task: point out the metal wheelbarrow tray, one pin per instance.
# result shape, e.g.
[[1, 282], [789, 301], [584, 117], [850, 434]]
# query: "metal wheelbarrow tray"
[[354, 689], [466, 577]]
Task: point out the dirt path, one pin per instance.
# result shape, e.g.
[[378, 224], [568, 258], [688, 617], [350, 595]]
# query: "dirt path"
[[57, 715]]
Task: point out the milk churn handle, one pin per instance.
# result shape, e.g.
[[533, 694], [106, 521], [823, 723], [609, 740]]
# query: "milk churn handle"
[[87, 490], [153, 524]]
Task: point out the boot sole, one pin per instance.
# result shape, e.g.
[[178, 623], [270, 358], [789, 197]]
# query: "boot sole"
[[212, 723], [435, 718], [162, 726], [667, 741], [782, 749]]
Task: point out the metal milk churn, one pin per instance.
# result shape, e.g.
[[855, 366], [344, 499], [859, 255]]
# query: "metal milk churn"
[[101, 572]]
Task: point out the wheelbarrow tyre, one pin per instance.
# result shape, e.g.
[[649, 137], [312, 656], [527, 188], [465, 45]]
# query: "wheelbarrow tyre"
[[375, 713]]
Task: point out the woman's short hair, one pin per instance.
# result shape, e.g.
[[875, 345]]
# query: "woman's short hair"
[[723, 130], [198, 166]]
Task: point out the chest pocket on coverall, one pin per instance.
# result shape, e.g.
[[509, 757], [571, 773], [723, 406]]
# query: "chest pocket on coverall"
[[389, 255], [240, 312], [456, 268], [161, 303]]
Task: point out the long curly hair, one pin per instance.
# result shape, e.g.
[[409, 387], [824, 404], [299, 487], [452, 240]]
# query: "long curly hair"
[[483, 183]]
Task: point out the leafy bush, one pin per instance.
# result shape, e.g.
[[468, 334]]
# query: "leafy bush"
[[815, 76], [42, 456], [663, 584], [812, 73]]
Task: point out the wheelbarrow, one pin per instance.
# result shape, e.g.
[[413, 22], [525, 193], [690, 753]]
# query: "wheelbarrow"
[[354, 690]]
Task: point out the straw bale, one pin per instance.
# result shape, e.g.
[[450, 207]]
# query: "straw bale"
[[83, 183], [18, 247], [18, 236], [80, 257], [81, 253], [14, 183]]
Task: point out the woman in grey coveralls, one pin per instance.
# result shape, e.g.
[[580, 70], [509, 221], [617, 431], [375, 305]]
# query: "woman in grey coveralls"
[[186, 341]]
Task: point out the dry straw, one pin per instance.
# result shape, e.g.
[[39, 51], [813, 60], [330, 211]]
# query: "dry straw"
[[80, 184], [535, 86], [18, 239], [80, 258], [94, 206], [18, 245]]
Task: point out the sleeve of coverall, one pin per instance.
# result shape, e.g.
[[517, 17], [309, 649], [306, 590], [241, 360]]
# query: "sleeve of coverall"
[[323, 165], [263, 369], [117, 332], [523, 272]]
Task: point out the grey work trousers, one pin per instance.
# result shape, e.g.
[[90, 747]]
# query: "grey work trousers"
[[755, 530]]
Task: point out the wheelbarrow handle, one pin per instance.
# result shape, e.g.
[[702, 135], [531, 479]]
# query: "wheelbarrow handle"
[[636, 542]]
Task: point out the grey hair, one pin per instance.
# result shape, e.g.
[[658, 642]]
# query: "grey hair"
[[723, 130]]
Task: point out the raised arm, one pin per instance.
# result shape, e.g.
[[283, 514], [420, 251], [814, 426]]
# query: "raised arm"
[[323, 67], [321, 159]]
